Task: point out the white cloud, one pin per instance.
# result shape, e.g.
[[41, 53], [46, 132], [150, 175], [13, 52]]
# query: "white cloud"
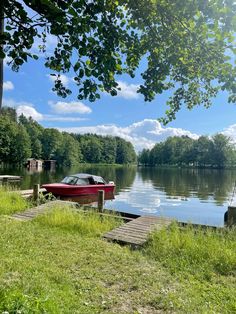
[[8, 85], [143, 134], [127, 91], [230, 132], [62, 107], [9, 102], [64, 79], [29, 111]]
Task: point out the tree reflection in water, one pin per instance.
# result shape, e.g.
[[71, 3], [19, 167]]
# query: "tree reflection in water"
[[205, 184], [199, 195]]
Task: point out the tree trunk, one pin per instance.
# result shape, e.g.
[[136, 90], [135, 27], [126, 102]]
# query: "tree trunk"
[[1, 60]]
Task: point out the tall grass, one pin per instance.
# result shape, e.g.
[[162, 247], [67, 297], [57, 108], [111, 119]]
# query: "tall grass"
[[195, 251], [11, 202], [15, 301], [85, 223], [55, 264]]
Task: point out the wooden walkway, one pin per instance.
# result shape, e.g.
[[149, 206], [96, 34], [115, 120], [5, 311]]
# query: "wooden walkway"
[[6, 177], [136, 231], [28, 193], [31, 213]]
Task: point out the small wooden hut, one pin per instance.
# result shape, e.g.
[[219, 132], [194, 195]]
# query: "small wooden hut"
[[34, 163], [49, 164]]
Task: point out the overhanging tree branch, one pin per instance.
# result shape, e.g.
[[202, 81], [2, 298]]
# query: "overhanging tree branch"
[[185, 44], [1, 56]]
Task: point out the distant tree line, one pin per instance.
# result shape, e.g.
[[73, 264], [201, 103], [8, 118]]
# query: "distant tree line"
[[24, 138], [216, 152]]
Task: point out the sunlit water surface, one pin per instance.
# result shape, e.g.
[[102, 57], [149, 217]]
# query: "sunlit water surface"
[[189, 195]]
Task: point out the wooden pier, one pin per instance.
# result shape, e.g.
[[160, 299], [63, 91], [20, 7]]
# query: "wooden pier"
[[28, 193], [136, 232], [32, 213], [6, 178]]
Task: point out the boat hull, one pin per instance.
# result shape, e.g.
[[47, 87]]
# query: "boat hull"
[[60, 189], [91, 199]]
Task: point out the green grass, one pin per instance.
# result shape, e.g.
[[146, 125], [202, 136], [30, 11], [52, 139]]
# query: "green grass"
[[87, 223], [11, 202], [195, 251], [47, 269], [58, 263], [203, 262]]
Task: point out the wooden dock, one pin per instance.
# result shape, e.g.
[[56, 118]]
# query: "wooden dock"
[[28, 193], [136, 232], [7, 177], [31, 213]]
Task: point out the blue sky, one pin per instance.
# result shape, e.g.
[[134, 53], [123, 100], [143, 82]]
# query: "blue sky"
[[126, 115]]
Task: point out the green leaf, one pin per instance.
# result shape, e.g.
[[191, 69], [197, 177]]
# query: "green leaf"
[[8, 28], [77, 66], [2, 55]]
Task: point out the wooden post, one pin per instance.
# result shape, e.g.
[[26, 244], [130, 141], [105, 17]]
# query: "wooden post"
[[100, 200], [231, 216], [36, 192]]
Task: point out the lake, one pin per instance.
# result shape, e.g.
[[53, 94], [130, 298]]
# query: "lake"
[[199, 196]]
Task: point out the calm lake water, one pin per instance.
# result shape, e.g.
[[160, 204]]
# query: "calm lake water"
[[196, 195]]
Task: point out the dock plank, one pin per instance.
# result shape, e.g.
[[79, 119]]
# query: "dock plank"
[[9, 177], [26, 193], [127, 240], [136, 232], [127, 234], [31, 213]]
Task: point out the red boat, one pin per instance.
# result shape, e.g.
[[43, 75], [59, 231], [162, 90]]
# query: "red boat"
[[80, 184], [91, 199]]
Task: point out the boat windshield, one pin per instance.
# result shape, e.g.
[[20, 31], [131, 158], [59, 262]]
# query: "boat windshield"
[[75, 180], [69, 180]]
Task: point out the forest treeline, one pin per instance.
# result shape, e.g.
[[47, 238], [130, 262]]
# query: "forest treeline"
[[24, 138], [216, 152]]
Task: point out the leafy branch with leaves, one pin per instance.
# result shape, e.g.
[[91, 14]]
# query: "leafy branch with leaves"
[[189, 46]]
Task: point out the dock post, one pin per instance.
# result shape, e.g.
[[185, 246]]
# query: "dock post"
[[100, 200], [36, 193], [231, 216]]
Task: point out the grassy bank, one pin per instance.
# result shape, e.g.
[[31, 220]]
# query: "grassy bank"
[[203, 262], [11, 202], [59, 263]]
